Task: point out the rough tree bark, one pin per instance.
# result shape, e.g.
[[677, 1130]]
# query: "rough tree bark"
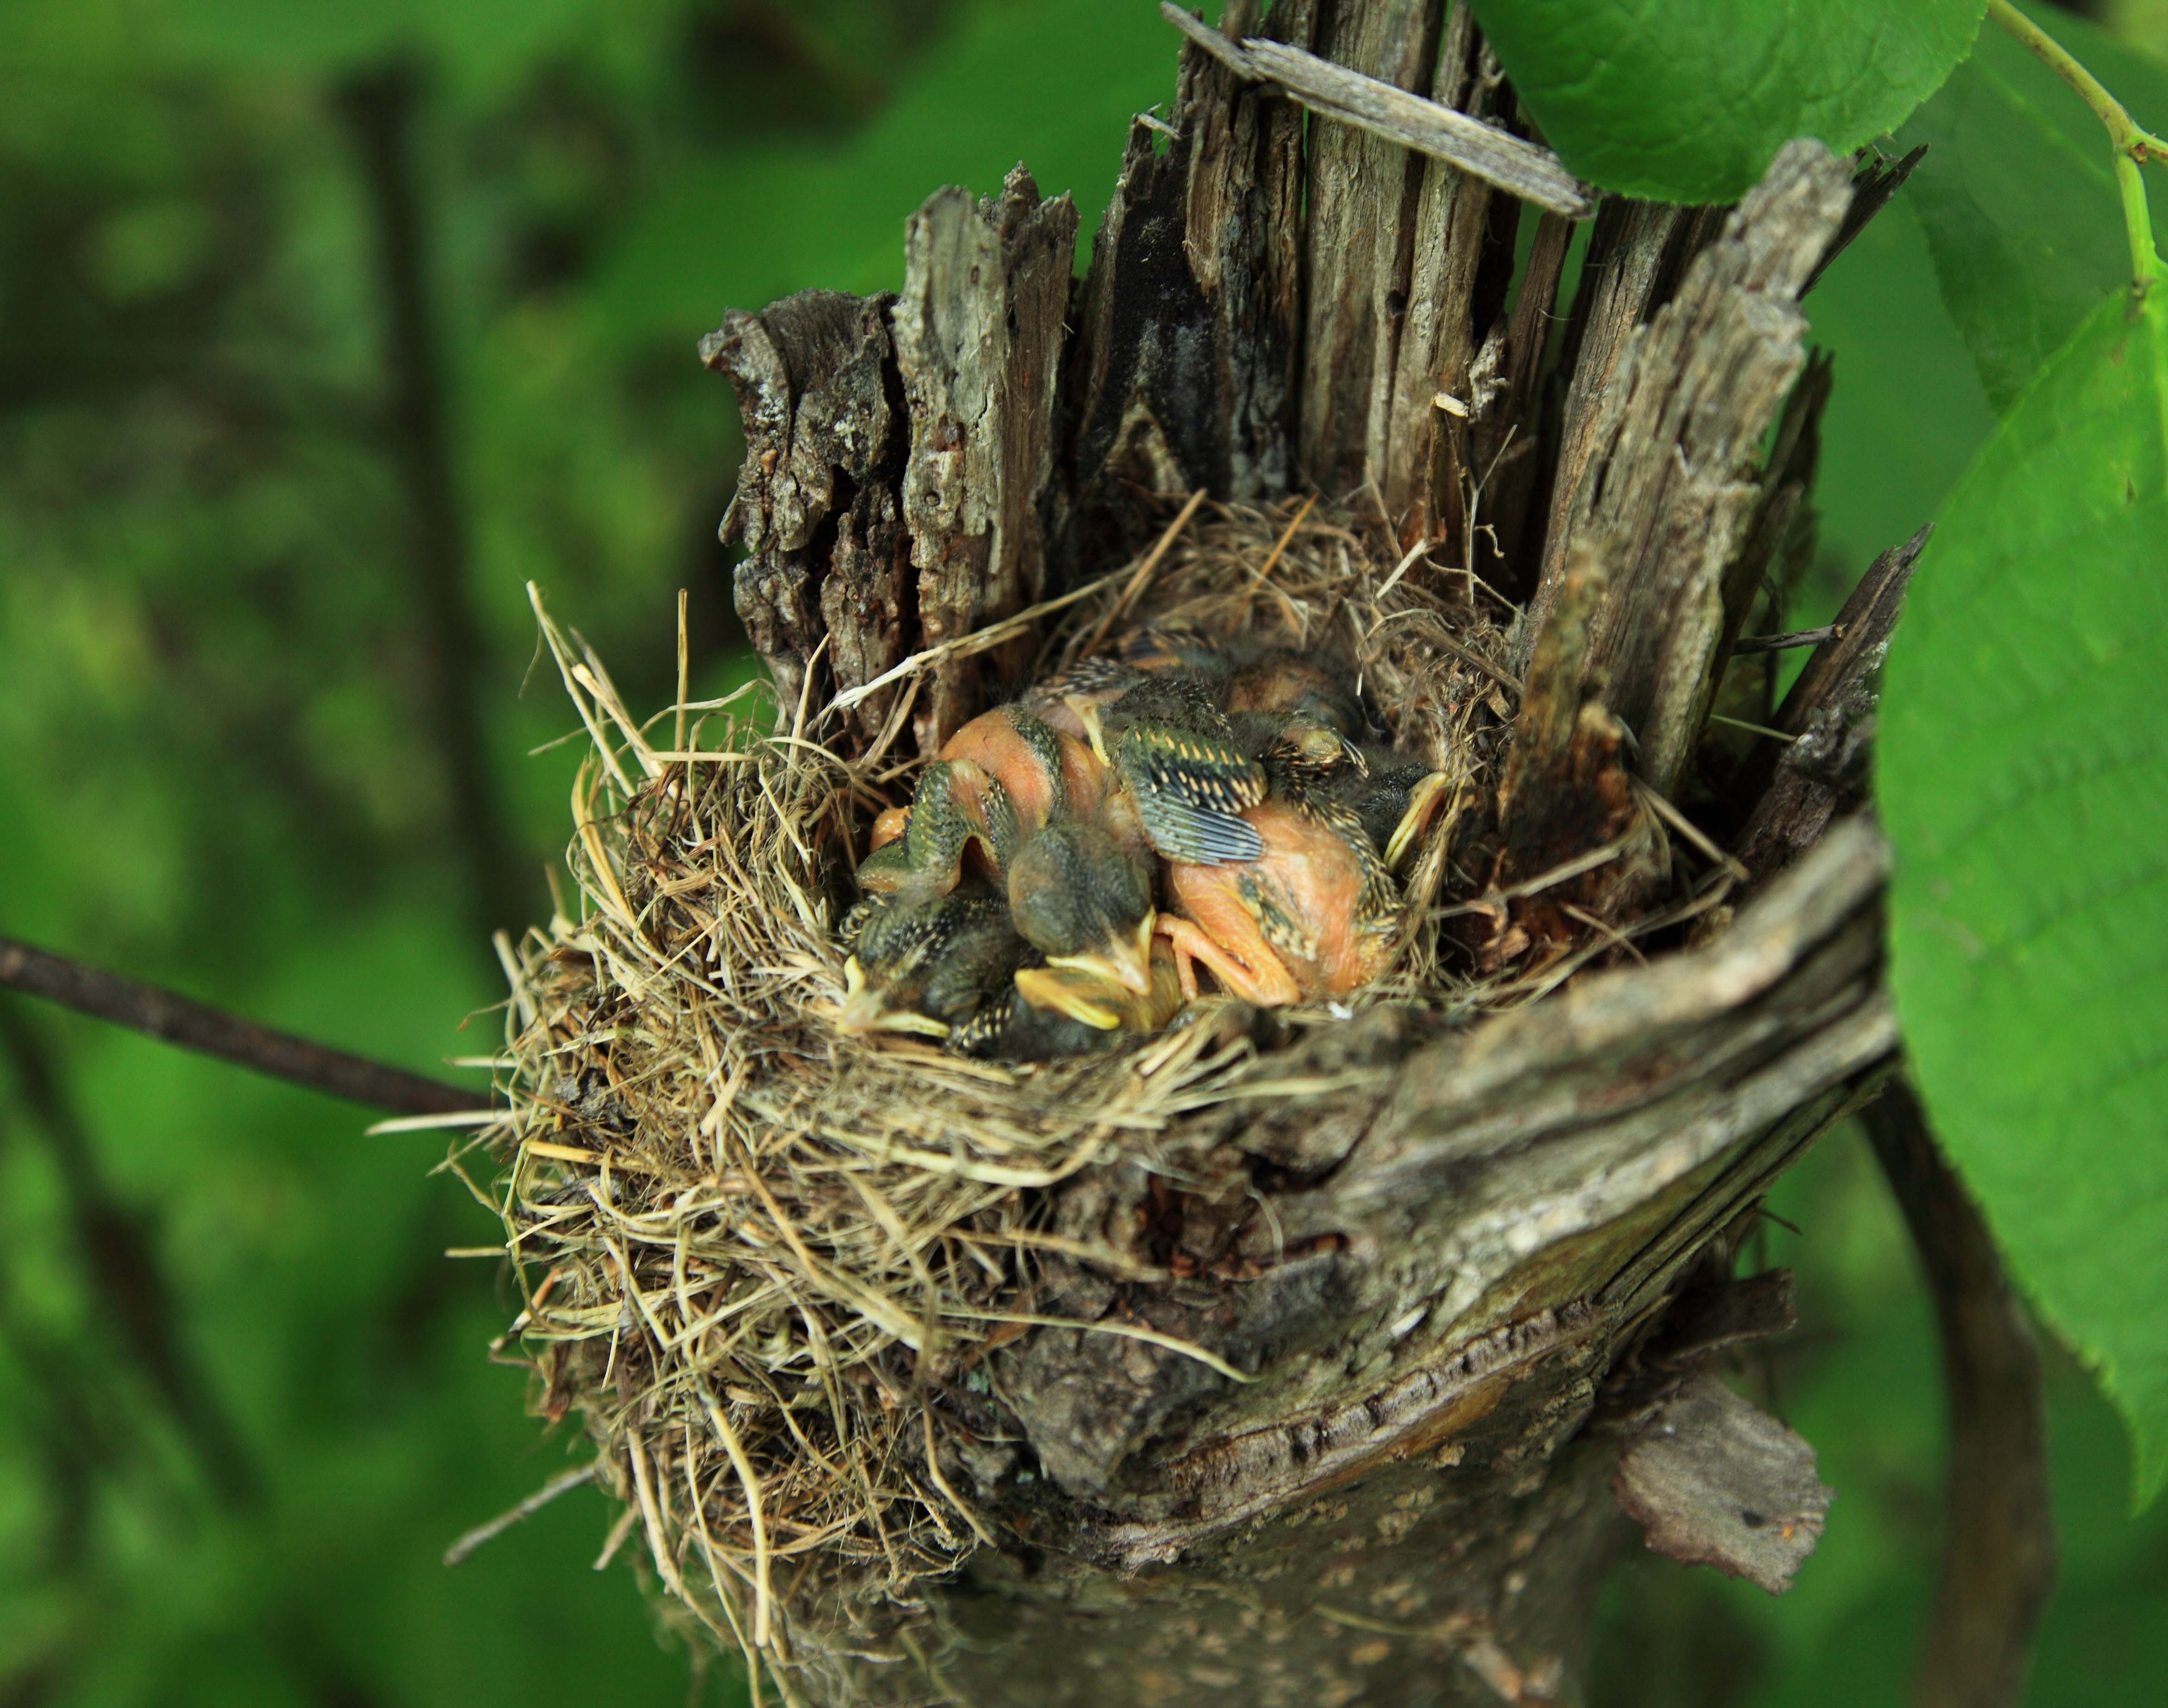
[[1488, 1265]]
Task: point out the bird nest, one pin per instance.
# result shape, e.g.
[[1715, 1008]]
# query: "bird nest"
[[765, 1262]]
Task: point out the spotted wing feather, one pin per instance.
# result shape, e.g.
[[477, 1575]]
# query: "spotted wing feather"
[[1179, 830]]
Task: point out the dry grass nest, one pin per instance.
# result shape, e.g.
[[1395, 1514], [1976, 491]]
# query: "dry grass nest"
[[757, 1257]]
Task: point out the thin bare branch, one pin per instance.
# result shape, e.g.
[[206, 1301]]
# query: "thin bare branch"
[[176, 1020]]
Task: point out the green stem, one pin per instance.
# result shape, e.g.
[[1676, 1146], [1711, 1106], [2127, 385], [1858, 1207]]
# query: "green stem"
[[2138, 221], [2133, 145]]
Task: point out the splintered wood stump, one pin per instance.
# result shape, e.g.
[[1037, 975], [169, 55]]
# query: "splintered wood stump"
[[1493, 1259]]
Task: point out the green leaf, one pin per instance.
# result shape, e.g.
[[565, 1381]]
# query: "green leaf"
[[1686, 100], [2024, 761], [1907, 417], [2019, 199]]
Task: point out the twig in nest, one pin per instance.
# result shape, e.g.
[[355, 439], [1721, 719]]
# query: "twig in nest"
[[1467, 656], [1142, 579], [1542, 880], [527, 1508], [1271, 558], [1659, 803]]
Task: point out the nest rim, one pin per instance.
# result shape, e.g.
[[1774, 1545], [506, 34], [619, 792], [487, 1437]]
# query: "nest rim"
[[767, 1266]]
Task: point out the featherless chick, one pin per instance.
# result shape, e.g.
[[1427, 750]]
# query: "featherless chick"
[[1302, 705], [1396, 797], [1314, 915], [1034, 803], [995, 781], [1076, 866], [958, 805]]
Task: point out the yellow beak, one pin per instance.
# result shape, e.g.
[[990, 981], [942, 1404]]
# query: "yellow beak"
[[1422, 806], [865, 1009], [1087, 714], [1046, 990], [1126, 964]]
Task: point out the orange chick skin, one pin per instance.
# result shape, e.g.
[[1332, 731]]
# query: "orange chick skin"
[[1018, 751], [1046, 770], [1298, 923], [887, 828]]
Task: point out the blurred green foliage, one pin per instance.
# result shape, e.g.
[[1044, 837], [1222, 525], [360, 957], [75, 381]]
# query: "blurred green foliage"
[[244, 1399]]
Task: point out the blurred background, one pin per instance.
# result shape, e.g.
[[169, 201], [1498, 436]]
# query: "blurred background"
[[325, 326]]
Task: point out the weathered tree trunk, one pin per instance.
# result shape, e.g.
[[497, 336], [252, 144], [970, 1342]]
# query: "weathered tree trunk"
[[1495, 1222], [1489, 1260]]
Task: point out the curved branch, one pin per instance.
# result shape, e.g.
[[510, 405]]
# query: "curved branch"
[[2133, 145], [1999, 1549], [175, 1020]]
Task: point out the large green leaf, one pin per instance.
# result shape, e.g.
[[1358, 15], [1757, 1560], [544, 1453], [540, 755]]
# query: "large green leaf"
[[2024, 763], [2018, 197], [1686, 100]]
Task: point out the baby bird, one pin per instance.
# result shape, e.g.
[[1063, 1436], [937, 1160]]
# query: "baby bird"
[[926, 964], [1245, 678], [1099, 681], [1292, 708], [1082, 894], [1174, 644], [1182, 766], [957, 804], [887, 825], [1396, 799], [1315, 915], [997, 780], [1299, 705], [1297, 686], [1078, 872], [1020, 750], [1036, 803]]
